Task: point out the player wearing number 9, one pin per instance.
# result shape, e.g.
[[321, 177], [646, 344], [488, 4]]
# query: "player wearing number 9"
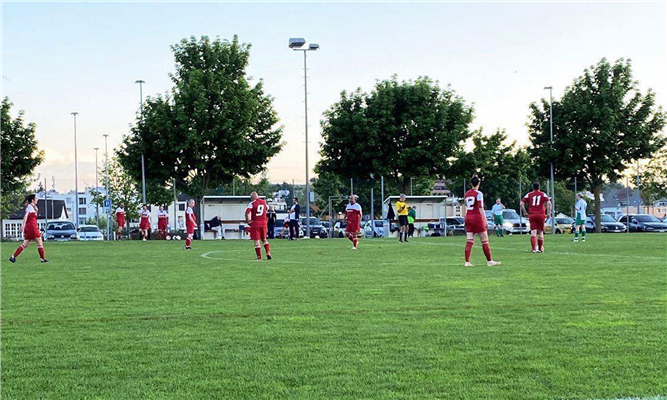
[[255, 216]]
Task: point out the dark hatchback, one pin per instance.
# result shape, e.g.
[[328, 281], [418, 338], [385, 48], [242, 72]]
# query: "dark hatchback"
[[644, 223], [607, 222]]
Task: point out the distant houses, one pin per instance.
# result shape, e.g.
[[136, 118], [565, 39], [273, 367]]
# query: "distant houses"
[[48, 210]]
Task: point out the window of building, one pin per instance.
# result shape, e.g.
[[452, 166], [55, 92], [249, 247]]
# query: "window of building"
[[82, 200], [181, 207], [82, 210]]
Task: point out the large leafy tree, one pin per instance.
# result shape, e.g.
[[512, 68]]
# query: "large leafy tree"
[[401, 130], [19, 157], [601, 124], [498, 163], [653, 178], [213, 127]]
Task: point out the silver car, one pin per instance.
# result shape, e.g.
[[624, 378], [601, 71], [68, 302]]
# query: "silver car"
[[90, 232]]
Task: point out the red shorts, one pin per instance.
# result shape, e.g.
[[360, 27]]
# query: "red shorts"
[[31, 233], [258, 233], [352, 228], [190, 229], [120, 222], [475, 225], [162, 227], [536, 222], [144, 225]]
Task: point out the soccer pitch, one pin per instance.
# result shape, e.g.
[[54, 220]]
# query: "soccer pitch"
[[136, 320]]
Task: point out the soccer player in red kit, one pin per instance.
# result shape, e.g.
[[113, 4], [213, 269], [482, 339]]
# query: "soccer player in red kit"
[[162, 223], [30, 229], [120, 220], [255, 215], [475, 223], [536, 200], [190, 223], [353, 215], [144, 222]]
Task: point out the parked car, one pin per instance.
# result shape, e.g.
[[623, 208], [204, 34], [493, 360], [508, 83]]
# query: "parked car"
[[644, 223], [514, 224], [455, 226], [90, 232], [607, 222], [339, 229], [316, 228], [563, 225], [61, 231], [374, 229], [664, 219]]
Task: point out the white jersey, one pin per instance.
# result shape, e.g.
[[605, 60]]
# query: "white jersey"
[[580, 208], [30, 209]]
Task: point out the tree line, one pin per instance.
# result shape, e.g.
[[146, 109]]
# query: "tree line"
[[217, 125]]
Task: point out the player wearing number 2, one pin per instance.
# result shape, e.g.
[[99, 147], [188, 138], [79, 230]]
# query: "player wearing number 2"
[[255, 216], [536, 200], [475, 222]]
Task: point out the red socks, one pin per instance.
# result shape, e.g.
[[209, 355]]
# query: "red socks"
[[267, 248], [487, 250], [188, 242], [41, 252], [18, 251], [469, 249], [540, 243], [533, 243], [258, 251]]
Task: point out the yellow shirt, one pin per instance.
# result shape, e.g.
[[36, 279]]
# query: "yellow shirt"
[[401, 208]]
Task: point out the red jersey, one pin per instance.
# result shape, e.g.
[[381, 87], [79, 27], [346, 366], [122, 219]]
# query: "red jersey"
[[536, 200], [474, 201], [120, 216], [353, 213], [162, 219], [190, 219], [257, 211]]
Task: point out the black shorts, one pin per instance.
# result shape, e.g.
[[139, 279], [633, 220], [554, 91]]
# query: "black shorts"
[[402, 220]]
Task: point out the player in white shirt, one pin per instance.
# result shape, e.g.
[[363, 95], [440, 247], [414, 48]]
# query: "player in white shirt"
[[580, 218]]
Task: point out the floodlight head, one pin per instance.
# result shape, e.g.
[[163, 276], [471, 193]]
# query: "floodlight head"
[[295, 43], [548, 87], [313, 46]]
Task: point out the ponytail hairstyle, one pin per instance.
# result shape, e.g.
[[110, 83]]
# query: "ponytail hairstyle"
[[29, 199]]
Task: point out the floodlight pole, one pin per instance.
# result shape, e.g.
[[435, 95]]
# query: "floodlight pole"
[[106, 168], [305, 92], [551, 163], [97, 206], [141, 113], [76, 177]]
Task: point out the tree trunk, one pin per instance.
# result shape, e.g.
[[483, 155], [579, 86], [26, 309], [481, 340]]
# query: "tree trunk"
[[598, 213]]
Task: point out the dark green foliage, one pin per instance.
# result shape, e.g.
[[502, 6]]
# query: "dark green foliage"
[[602, 123]]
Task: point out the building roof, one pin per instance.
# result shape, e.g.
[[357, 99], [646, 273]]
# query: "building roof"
[[56, 208]]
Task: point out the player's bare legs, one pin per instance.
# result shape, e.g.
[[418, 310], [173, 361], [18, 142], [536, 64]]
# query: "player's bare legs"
[[353, 238], [533, 241], [470, 242], [580, 229], [484, 238], [540, 241], [119, 233]]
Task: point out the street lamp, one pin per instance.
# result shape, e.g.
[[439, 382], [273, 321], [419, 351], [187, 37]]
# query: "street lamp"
[[551, 163], [141, 113], [76, 176], [97, 188], [106, 168], [296, 44]]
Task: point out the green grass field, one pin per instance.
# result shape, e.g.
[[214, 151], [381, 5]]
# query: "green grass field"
[[136, 320]]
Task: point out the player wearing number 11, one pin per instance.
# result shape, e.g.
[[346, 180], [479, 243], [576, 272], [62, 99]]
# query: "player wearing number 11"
[[255, 215], [536, 201]]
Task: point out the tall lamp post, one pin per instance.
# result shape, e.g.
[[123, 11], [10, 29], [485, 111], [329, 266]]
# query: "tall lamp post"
[[76, 176], [141, 113], [106, 168], [551, 163], [97, 188], [296, 44]]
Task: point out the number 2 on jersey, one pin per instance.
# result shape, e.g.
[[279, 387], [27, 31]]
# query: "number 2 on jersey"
[[470, 201]]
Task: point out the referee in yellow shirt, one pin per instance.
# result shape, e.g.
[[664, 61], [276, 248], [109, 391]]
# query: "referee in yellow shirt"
[[402, 211]]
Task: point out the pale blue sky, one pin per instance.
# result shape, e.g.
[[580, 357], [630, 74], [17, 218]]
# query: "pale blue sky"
[[64, 57]]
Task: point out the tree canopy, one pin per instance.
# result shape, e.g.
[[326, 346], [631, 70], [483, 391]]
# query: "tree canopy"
[[20, 155], [214, 125], [401, 130], [601, 123]]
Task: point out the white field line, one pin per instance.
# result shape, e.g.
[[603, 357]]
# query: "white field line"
[[207, 255], [551, 252], [637, 398]]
